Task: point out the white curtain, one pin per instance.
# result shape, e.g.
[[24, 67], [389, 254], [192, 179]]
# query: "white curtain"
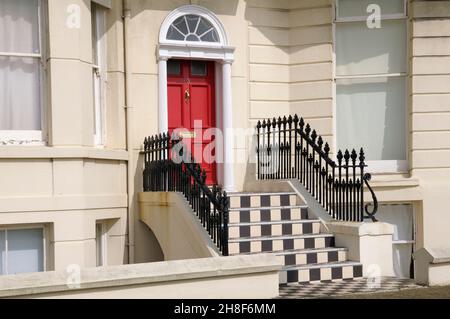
[[19, 76], [25, 251], [401, 217], [2, 252], [358, 8], [371, 114], [371, 111]]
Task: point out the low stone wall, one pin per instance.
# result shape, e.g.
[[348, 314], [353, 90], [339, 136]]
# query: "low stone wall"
[[208, 278]]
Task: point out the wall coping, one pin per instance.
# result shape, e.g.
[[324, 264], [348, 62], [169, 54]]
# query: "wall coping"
[[434, 256], [138, 274], [45, 152], [361, 229]]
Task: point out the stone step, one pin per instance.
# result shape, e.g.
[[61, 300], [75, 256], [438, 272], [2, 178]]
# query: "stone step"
[[312, 256], [279, 243], [321, 272], [267, 214], [278, 228], [254, 200]]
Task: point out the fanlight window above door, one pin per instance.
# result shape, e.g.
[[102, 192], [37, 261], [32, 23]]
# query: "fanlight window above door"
[[192, 28]]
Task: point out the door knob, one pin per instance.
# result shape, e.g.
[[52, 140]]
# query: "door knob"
[[187, 95]]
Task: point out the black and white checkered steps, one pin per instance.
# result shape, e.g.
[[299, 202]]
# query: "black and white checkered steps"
[[279, 243], [278, 228], [277, 223], [320, 272], [312, 256], [268, 214], [238, 200]]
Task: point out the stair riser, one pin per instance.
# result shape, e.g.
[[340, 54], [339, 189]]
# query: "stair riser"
[[274, 230], [262, 201], [301, 259], [273, 245], [268, 215], [320, 274]]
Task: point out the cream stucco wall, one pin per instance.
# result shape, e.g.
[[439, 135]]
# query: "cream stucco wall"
[[67, 185], [283, 65]]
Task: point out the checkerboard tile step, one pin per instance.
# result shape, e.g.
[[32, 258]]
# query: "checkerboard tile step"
[[279, 228], [321, 272], [312, 256], [279, 243], [248, 200], [268, 214]]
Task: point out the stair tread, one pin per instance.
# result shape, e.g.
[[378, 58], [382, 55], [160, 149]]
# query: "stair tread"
[[243, 239], [323, 265], [308, 251], [237, 209], [260, 194], [277, 222]]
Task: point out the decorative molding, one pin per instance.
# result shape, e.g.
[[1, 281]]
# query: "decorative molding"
[[194, 10]]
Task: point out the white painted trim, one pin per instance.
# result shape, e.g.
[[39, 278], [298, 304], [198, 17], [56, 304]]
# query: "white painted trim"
[[389, 166], [218, 52], [195, 10], [21, 138], [163, 106], [21, 55], [33, 137], [195, 51], [392, 166]]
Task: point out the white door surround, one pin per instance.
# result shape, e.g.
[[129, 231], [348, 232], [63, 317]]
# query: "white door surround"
[[223, 55]]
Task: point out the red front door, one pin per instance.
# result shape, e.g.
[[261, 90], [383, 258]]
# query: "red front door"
[[191, 97]]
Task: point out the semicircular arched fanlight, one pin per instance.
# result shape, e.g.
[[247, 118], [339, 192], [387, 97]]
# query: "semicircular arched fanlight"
[[192, 28]]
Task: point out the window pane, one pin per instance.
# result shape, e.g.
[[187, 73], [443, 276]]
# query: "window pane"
[[181, 25], [173, 34], [99, 244], [94, 29], [20, 98], [210, 37], [360, 50], [25, 251], [2, 253], [173, 67], [19, 25], [204, 26], [371, 114], [193, 21], [198, 68], [402, 258], [358, 8]]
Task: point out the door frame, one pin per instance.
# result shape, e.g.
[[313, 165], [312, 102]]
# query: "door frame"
[[223, 56]]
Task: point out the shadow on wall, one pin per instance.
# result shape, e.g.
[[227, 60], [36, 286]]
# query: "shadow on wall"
[[147, 247]]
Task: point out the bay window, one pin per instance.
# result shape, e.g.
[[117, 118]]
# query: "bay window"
[[371, 76], [21, 71]]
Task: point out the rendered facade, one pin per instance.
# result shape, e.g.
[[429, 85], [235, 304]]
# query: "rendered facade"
[[84, 82]]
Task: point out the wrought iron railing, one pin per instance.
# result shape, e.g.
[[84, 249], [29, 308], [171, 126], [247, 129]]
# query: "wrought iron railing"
[[289, 149], [169, 167]]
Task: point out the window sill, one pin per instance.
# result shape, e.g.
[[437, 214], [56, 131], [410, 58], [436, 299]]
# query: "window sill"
[[393, 180], [45, 152]]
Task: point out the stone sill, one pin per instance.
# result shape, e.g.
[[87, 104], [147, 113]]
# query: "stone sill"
[[379, 181], [45, 152], [138, 274]]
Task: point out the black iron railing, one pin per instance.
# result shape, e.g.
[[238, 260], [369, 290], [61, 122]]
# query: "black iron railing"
[[168, 167], [289, 149]]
